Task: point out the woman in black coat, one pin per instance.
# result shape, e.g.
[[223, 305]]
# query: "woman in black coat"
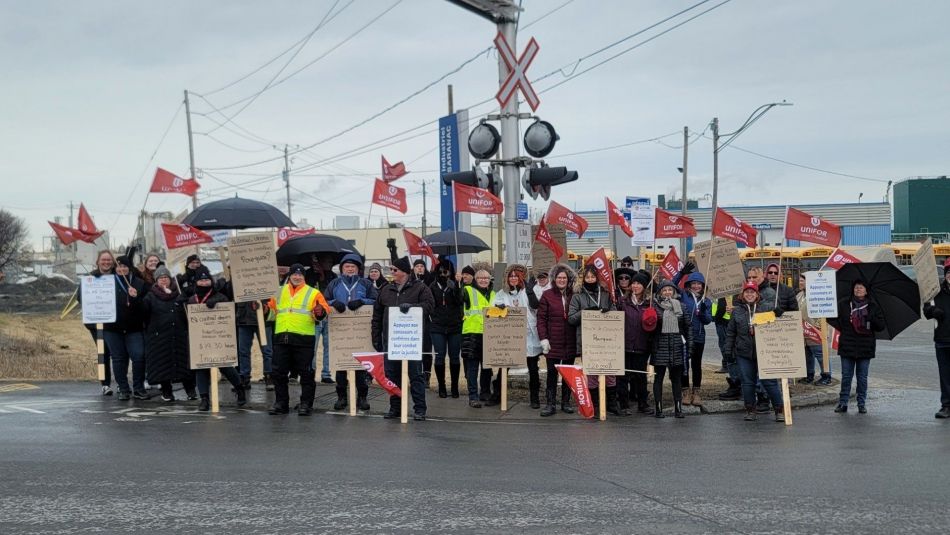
[[166, 337], [937, 309], [671, 336], [859, 317]]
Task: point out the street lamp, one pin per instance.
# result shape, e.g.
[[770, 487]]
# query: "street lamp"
[[860, 196], [730, 137]]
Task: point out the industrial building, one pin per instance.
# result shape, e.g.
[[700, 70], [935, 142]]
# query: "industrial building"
[[920, 208]]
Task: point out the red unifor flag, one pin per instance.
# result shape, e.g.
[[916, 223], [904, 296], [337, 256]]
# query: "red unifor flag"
[[835, 336], [615, 218], [392, 172], [604, 273], [168, 182], [418, 246], [286, 233], [559, 215], [812, 333], [86, 225], [390, 196], [476, 200], [671, 264], [732, 228], [574, 377], [804, 227], [670, 225], [65, 234], [373, 363], [839, 258], [181, 235], [548, 241]]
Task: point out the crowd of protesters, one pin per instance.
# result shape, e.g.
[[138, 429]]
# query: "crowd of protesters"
[[664, 333]]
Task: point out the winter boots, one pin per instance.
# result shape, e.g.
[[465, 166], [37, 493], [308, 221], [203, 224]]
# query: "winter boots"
[[733, 393], [241, 397], [361, 403], [779, 414], [341, 402], [658, 410], [440, 378], [205, 403], [750, 413], [687, 396], [551, 397], [613, 404], [697, 400], [678, 409], [454, 370]]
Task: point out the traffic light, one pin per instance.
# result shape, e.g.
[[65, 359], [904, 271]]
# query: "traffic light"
[[477, 177], [539, 180]]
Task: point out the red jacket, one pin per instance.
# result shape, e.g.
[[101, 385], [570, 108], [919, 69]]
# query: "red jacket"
[[553, 325]]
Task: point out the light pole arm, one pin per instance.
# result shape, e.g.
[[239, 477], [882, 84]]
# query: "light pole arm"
[[755, 116]]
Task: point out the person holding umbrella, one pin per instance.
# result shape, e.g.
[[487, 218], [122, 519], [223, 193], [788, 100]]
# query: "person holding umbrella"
[[937, 310], [446, 326], [859, 318]]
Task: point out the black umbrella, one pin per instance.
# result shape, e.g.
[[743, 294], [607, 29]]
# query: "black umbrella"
[[237, 213], [300, 248], [443, 243], [894, 292]]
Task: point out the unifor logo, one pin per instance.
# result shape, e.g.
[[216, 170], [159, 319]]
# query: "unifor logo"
[[838, 257], [815, 221], [480, 194], [178, 182], [738, 221], [392, 190], [367, 365], [570, 215], [599, 263], [282, 234], [673, 219]]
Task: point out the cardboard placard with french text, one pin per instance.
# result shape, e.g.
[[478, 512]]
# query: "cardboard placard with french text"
[[505, 338], [778, 347], [253, 262], [602, 342], [718, 259], [350, 332], [925, 266], [212, 336]]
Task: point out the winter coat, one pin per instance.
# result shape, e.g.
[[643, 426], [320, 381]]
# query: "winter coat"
[[851, 344], [519, 299], [669, 348], [699, 311], [128, 310], [786, 296], [585, 300], [314, 280], [166, 337], [636, 340], [413, 292], [938, 311], [740, 343], [553, 325], [345, 288], [446, 316]]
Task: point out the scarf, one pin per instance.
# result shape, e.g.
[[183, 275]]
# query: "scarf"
[[859, 316], [162, 295], [672, 312]]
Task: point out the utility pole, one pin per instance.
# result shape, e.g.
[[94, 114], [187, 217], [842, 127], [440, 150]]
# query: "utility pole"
[[191, 149], [683, 252], [715, 197], [424, 221], [508, 26], [287, 180]]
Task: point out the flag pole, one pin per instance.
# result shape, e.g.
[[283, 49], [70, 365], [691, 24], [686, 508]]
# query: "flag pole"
[[369, 220], [455, 228], [781, 253]]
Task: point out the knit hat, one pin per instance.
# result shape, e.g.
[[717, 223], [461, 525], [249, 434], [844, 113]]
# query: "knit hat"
[[203, 273], [124, 260], [191, 258], [643, 277], [666, 283], [626, 260], [402, 264], [468, 270], [376, 266], [772, 265], [162, 271], [419, 261], [296, 268], [625, 271]]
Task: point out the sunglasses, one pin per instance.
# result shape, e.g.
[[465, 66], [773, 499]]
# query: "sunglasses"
[[773, 272], [623, 278]]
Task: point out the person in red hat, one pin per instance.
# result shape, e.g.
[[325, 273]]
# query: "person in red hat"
[[937, 309], [740, 346]]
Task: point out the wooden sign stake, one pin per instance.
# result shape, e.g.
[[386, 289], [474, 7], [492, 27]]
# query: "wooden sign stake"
[[225, 268], [602, 396], [215, 407], [504, 389], [786, 401], [261, 333], [825, 347], [404, 399], [101, 348], [351, 382]]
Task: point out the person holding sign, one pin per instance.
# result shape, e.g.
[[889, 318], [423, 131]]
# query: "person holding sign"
[[166, 337], [351, 291], [517, 294], [740, 346], [403, 292], [590, 294], [638, 340], [105, 265], [186, 280], [124, 337], [671, 338], [476, 298], [205, 294], [445, 326], [299, 308], [558, 336], [698, 309], [859, 317], [937, 309], [813, 350]]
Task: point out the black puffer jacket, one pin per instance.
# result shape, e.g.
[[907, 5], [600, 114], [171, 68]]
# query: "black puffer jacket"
[[740, 340], [414, 292], [166, 337], [669, 348], [938, 311], [851, 344], [446, 316], [786, 296]]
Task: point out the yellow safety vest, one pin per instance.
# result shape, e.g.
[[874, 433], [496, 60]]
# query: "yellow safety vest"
[[715, 307], [473, 322], [294, 313]]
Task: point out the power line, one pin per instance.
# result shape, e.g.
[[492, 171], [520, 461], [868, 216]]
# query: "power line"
[[809, 167], [613, 147]]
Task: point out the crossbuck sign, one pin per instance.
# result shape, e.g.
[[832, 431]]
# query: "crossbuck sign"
[[516, 72]]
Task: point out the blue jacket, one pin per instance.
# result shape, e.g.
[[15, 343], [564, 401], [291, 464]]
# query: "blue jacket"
[[699, 311], [349, 288]]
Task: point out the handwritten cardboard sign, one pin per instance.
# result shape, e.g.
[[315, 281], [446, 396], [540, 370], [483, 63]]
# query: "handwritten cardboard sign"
[[98, 299], [779, 349], [821, 293], [253, 263], [925, 266], [505, 338], [350, 333], [602, 340], [212, 336], [405, 334], [542, 258], [719, 261]]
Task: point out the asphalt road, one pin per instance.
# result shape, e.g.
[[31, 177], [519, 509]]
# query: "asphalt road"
[[75, 463]]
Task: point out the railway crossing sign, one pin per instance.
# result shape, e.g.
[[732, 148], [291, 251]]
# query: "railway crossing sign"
[[517, 69]]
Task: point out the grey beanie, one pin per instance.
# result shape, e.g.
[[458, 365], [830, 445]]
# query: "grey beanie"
[[162, 271]]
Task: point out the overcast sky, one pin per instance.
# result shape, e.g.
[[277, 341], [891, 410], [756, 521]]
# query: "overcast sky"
[[90, 87]]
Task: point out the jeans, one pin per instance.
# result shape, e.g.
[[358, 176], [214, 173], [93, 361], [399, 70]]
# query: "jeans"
[[246, 334], [750, 376], [814, 354], [943, 367], [696, 364], [203, 379], [446, 344], [721, 336], [848, 369], [323, 329], [125, 347], [417, 386]]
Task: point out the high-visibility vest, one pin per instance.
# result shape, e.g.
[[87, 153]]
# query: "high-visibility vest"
[[473, 322], [294, 313], [715, 307]]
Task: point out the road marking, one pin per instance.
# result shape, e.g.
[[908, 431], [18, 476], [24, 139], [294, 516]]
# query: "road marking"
[[25, 409], [15, 387]]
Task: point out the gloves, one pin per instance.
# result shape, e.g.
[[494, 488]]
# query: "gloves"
[[354, 304], [501, 306], [378, 346], [319, 312], [404, 308], [688, 268], [605, 310], [545, 346], [531, 284], [778, 311], [210, 304], [339, 306]]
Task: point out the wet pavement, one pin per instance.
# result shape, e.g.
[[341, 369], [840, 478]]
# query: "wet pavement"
[[73, 462]]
